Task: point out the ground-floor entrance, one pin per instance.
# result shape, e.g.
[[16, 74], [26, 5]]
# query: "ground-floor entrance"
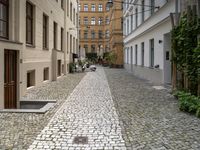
[[10, 79]]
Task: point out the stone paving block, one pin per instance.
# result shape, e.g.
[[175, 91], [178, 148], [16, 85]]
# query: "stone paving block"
[[150, 118], [90, 112]]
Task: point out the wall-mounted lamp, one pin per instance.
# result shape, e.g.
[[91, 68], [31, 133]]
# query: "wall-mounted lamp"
[[160, 41], [156, 66]]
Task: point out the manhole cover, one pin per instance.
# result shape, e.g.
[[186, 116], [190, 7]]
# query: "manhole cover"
[[80, 140]]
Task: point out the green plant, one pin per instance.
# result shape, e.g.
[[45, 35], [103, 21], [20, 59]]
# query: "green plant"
[[111, 58], [72, 67], [91, 56], [188, 102], [186, 49], [198, 112]]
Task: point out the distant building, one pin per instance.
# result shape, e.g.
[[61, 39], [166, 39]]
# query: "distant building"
[[147, 39], [101, 28], [37, 39]]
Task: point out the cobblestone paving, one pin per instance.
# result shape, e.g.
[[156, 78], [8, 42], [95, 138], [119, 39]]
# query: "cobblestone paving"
[[18, 130], [88, 112], [150, 119]]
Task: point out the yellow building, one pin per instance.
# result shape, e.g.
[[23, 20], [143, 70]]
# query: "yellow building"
[[101, 28]]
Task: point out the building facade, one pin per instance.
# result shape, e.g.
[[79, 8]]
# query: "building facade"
[[37, 39], [101, 28], [147, 39]]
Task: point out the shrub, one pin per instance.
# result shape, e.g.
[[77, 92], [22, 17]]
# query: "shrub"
[[188, 102], [72, 67]]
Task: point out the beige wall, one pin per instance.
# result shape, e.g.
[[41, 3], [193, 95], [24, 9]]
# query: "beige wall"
[[34, 57]]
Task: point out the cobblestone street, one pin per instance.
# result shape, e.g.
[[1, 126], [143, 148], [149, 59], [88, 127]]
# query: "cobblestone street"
[[150, 118], [88, 112], [18, 130], [109, 109]]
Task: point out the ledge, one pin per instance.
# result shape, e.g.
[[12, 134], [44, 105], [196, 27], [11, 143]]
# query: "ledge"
[[9, 41], [43, 110]]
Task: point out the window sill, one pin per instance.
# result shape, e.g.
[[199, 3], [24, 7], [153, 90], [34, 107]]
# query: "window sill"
[[46, 81], [45, 49], [31, 87], [29, 45], [9, 41]]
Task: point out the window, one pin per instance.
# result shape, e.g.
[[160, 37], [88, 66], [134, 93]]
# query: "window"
[[74, 44], [85, 7], [93, 7], [100, 34], [71, 11], [80, 34], [85, 34], [128, 26], [74, 16], [29, 23], [152, 53], [131, 55], [68, 8], [70, 43], [55, 35], [136, 53], [59, 68], [62, 4], [107, 20], [4, 8], [127, 55], [46, 74], [107, 8], [142, 54], [143, 10], [131, 22], [152, 4], [61, 39], [107, 33], [79, 7], [93, 21], [93, 34], [85, 20], [136, 17], [79, 20], [100, 7], [30, 78], [67, 42], [100, 21], [45, 31]]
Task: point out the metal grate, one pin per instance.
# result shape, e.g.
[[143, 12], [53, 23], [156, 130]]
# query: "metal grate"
[[80, 140]]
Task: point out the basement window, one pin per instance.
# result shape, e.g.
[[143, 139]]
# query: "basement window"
[[30, 78], [59, 68], [46, 74]]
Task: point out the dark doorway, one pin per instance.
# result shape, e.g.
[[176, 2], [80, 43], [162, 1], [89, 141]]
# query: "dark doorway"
[[10, 79]]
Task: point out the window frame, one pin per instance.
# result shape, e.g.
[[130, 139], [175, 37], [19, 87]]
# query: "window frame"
[[100, 9], [45, 29], [85, 8], [55, 34], [152, 52], [31, 19], [6, 4], [93, 9]]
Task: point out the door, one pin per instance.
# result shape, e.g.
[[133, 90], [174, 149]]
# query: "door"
[[167, 59], [10, 79]]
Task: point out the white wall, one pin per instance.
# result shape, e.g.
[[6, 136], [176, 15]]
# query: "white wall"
[[154, 27]]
